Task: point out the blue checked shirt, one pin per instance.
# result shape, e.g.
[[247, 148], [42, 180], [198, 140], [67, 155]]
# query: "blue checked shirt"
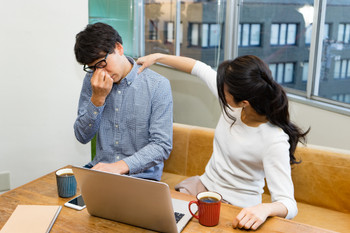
[[135, 124]]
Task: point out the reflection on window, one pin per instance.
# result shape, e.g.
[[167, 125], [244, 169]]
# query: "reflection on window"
[[283, 34], [249, 34], [283, 73]]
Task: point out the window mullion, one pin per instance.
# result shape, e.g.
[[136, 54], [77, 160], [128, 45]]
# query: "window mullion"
[[177, 27], [139, 28], [231, 29], [315, 56]]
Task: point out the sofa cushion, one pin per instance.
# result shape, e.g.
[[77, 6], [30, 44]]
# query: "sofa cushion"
[[172, 179]]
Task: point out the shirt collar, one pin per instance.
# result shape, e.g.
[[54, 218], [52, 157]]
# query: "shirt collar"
[[130, 77]]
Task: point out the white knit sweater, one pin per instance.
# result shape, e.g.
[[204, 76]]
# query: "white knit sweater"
[[243, 156]]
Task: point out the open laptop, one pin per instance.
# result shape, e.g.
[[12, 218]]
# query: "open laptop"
[[135, 201]]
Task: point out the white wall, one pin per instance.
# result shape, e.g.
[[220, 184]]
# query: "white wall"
[[40, 86], [194, 104]]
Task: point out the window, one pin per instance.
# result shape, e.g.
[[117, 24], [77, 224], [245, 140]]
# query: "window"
[[153, 30], [342, 98], [194, 34], [278, 31], [283, 73], [200, 29], [334, 77], [249, 34], [308, 31], [117, 14], [305, 66], [344, 33], [169, 32], [283, 34], [342, 69], [205, 34]]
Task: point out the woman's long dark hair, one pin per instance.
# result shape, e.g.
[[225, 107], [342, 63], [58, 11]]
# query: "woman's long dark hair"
[[249, 78]]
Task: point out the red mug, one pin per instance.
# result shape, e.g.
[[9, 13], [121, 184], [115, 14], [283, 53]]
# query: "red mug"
[[208, 208]]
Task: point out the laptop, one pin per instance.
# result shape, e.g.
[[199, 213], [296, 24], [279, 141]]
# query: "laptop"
[[139, 202]]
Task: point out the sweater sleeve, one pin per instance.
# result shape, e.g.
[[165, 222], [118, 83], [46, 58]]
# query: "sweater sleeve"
[[206, 74], [278, 175]]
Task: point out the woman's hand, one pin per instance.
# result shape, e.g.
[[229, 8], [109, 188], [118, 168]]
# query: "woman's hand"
[[147, 61], [253, 217]]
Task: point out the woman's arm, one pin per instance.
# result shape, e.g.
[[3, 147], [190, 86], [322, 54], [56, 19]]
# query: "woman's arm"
[[184, 64], [253, 217]]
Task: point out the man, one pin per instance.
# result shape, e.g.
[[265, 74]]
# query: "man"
[[130, 113]]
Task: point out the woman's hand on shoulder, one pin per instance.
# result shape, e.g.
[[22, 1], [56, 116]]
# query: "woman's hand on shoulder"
[[251, 217], [147, 61]]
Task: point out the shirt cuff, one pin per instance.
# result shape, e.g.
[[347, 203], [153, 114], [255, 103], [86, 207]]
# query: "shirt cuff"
[[132, 164], [291, 208], [94, 111]]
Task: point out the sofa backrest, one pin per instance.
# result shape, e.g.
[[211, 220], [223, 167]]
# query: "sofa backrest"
[[192, 149], [321, 179]]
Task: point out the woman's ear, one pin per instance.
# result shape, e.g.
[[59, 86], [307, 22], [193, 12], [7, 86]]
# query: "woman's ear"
[[244, 103]]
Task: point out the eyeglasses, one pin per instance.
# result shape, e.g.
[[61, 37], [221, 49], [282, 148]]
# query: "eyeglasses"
[[100, 64]]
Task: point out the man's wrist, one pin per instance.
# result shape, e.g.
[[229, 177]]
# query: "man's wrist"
[[98, 101], [123, 167]]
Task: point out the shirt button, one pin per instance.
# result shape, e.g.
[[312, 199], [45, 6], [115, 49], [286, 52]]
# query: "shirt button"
[[116, 126], [95, 113], [117, 109], [117, 142], [118, 157], [129, 83], [119, 92], [90, 125]]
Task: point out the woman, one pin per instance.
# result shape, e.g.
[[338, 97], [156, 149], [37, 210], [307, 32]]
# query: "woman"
[[254, 138]]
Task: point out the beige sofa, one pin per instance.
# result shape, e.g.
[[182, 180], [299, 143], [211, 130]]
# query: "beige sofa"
[[321, 181]]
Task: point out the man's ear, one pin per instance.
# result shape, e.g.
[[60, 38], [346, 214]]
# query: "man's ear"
[[119, 48]]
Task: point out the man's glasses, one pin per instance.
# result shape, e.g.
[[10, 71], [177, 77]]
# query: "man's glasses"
[[100, 64]]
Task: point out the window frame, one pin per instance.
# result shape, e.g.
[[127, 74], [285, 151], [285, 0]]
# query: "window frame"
[[230, 41]]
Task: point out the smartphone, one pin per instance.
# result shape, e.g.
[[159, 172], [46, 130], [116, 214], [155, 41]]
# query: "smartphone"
[[76, 203]]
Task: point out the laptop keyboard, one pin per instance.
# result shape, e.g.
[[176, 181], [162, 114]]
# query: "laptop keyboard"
[[178, 216]]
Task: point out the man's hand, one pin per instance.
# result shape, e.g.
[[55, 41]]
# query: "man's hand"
[[101, 83], [119, 167]]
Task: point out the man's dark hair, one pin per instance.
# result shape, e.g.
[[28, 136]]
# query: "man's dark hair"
[[95, 42]]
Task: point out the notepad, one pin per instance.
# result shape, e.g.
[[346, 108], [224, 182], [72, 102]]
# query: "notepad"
[[31, 219]]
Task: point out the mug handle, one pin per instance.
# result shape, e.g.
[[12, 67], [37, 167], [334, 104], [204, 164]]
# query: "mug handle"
[[189, 208]]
